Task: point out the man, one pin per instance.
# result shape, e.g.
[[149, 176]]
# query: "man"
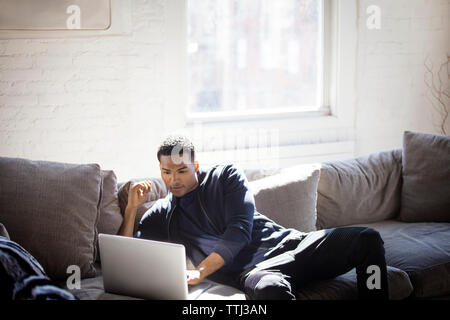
[[212, 213]]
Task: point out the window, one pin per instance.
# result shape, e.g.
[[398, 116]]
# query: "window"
[[247, 56]]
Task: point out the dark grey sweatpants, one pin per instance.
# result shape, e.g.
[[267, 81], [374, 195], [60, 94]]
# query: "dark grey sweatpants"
[[321, 255]]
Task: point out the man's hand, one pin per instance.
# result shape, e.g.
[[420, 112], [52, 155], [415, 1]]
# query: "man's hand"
[[211, 264], [193, 277], [137, 194]]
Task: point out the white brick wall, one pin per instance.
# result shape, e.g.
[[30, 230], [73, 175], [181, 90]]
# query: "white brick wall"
[[101, 99], [90, 99], [391, 93]]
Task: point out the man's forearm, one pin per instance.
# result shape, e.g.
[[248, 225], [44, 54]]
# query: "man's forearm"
[[211, 264], [127, 227]]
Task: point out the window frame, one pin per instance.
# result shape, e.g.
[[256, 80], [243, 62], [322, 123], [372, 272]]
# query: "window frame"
[[277, 112], [340, 48]]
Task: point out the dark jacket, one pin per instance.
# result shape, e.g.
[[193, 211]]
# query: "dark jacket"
[[228, 203], [23, 278]]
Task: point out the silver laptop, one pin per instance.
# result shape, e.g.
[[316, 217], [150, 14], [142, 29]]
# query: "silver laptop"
[[146, 269]]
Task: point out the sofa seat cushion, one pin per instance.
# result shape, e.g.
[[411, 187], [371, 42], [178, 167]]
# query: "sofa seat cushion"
[[92, 289], [422, 250], [344, 287]]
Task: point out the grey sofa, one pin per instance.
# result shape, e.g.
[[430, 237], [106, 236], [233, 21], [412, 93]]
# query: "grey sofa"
[[56, 210]]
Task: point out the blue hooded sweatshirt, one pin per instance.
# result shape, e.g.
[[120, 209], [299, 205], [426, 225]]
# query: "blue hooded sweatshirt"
[[237, 232]]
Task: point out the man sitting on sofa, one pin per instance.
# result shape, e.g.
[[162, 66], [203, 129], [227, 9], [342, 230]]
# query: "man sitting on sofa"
[[212, 213]]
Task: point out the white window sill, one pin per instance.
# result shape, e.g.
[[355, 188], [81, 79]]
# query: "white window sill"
[[279, 156], [290, 121], [249, 115]]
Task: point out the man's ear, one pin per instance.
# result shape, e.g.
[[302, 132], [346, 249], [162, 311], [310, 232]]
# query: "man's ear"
[[196, 165]]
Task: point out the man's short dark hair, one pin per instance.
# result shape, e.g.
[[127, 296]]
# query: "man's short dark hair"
[[177, 142]]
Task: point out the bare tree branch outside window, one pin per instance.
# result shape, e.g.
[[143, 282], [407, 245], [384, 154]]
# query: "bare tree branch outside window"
[[439, 88]]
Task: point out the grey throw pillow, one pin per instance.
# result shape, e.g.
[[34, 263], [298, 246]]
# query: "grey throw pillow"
[[289, 197], [426, 178], [51, 209], [360, 190]]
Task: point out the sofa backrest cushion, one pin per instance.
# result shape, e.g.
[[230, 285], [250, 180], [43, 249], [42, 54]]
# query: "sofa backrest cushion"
[[110, 216], [426, 178], [359, 190], [159, 190], [253, 174], [52, 210], [289, 197]]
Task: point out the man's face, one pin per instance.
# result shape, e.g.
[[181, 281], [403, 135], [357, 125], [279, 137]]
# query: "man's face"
[[178, 174]]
